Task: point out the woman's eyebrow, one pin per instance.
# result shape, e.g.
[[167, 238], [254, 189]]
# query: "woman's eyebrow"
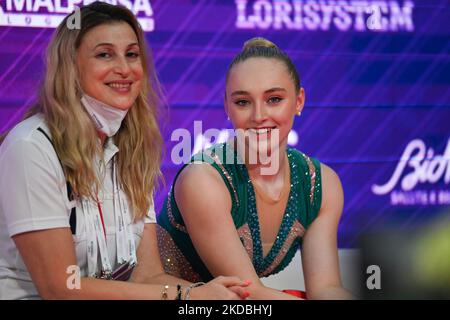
[[242, 92], [239, 93], [112, 45], [274, 89], [104, 44]]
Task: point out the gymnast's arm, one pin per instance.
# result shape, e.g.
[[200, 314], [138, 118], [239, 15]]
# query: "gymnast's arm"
[[206, 211], [319, 250]]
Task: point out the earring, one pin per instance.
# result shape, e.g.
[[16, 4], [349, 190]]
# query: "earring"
[[228, 118], [299, 113]]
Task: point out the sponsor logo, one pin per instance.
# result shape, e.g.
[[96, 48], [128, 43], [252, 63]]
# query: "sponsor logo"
[[50, 13], [428, 168], [324, 15]]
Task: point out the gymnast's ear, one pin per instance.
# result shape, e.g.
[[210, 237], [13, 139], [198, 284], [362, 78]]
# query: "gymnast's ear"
[[300, 103]]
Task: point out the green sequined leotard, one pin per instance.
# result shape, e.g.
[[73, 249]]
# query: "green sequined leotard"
[[177, 252]]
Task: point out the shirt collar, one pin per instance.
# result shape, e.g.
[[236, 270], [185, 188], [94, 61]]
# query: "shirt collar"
[[110, 149]]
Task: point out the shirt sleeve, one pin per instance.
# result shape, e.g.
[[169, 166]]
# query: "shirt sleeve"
[[151, 214], [31, 196]]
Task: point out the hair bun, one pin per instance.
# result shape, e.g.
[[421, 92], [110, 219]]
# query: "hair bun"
[[258, 42]]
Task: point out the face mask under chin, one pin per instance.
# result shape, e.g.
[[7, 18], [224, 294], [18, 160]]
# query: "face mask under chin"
[[107, 119]]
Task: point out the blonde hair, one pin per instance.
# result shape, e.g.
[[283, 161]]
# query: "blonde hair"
[[139, 139], [258, 42], [259, 47]]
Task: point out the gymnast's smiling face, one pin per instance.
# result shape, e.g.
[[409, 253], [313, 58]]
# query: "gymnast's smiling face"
[[261, 97], [109, 64]]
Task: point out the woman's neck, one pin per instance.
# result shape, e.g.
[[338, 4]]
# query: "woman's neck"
[[273, 170]]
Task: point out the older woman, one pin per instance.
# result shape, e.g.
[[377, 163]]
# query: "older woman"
[[77, 176]]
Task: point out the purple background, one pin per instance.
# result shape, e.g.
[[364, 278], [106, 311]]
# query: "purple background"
[[368, 93]]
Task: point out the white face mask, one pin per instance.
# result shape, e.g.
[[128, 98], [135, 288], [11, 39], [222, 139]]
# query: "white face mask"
[[107, 119]]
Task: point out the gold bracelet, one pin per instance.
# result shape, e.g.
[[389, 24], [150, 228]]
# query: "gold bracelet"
[[164, 292]]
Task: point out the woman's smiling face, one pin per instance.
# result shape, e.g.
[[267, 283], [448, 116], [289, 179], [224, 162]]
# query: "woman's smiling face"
[[261, 97], [109, 64]]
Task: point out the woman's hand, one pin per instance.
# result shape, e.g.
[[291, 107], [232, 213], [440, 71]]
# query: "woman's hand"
[[221, 288]]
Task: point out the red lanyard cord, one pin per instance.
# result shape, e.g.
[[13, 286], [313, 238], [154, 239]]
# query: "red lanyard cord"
[[99, 206]]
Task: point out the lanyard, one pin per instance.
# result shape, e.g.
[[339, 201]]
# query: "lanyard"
[[96, 240], [96, 233], [100, 211], [126, 248]]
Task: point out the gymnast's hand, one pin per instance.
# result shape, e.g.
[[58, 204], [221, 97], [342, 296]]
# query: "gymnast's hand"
[[222, 288]]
